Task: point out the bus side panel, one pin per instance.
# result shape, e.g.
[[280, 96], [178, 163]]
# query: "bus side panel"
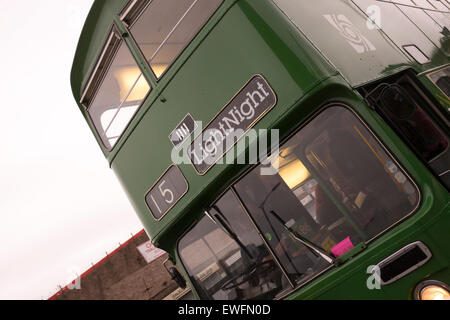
[[266, 44]]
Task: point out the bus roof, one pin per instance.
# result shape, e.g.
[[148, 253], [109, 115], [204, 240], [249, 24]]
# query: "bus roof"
[[339, 32]]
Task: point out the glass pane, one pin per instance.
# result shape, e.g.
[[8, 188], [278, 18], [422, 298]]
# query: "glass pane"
[[267, 196], [416, 54], [336, 186], [229, 260], [118, 98], [400, 106], [442, 80], [167, 26]]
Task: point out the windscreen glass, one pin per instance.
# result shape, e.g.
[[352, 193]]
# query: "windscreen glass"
[[336, 186], [333, 186], [227, 259]]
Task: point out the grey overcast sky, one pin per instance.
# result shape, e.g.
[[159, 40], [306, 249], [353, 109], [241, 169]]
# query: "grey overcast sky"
[[61, 206]]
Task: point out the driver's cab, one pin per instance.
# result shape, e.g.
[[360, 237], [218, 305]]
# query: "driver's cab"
[[333, 189]]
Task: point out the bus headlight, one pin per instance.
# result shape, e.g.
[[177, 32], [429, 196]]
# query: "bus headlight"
[[432, 290]]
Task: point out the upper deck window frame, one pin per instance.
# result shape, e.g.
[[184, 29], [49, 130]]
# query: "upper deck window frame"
[[98, 77], [133, 12], [99, 70]]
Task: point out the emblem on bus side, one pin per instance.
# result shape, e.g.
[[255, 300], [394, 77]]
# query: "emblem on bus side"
[[245, 109], [350, 32], [183, 131]]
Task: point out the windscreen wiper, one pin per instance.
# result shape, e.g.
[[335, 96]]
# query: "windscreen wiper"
[[222, 220], [311, 246], [316, 250]]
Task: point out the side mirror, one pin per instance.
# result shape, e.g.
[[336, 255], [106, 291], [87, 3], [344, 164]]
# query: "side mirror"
[[177, 277], [398, 102]]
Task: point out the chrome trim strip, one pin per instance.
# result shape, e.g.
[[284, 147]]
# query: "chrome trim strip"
[[97, 65], [127, 9]]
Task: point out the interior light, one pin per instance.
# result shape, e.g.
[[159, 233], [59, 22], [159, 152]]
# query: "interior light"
[[159, 69], [126, 78], [294, 173]]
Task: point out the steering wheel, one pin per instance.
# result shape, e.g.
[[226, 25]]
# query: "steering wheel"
[[253, 271]]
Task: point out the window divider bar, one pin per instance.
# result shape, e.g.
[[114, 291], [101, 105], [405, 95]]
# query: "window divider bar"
[[121, 105], [272, 253], [172, 31], [137, 54]]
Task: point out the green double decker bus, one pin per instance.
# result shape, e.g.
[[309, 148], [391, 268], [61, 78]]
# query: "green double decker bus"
[[345, 104]]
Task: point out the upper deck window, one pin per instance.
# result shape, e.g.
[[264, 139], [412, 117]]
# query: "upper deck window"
[[115, 91], [165, 27]]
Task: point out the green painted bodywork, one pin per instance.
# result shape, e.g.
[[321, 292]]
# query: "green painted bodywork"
[[308, 64]]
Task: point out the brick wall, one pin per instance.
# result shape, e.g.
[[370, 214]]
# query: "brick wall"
[[124, 275]]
